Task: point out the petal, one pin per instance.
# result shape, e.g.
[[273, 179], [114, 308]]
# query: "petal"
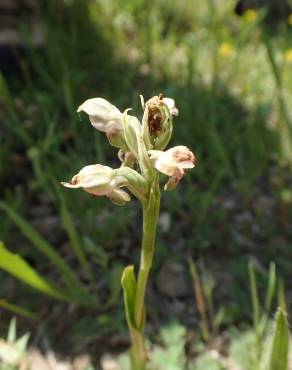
[[166, 167], [99, 190], [69, 185], [182, 156], [119, 197], [162, 162], [174, 179], [98, 106], [170, 103], [102, 114]]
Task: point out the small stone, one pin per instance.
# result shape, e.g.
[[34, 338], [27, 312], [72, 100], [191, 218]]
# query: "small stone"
[[109, 363], [82, 362], [229, 204], [37, 361], [63, 366]]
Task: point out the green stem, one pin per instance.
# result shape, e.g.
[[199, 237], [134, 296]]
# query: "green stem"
[[150, 218]]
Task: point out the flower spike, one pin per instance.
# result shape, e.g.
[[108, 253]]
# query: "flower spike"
[[141, 151]]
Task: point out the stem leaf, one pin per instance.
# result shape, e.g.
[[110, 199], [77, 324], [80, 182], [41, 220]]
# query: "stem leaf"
[[128, 282]]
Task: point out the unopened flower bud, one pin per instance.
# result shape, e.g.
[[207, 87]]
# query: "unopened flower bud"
[[100, 180], [173, 163], [157, 121]]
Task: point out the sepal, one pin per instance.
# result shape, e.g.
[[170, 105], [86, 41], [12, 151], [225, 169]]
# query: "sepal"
[[107, 118], [132, 131]]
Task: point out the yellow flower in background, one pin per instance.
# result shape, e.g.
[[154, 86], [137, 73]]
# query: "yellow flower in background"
[[225, 49], [290, 19], [250, 15], [288, 55]]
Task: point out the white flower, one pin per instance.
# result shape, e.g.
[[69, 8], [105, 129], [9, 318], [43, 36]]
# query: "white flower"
[[103, 115], [173, 163], [100, 180]]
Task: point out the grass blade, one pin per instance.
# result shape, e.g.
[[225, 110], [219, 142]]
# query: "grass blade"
[[280, 343], [72, 234], [46, 249], [18, 310], [200, 301], [11, 336], [257, 327], [281, 295], [271, 287], [254, 295], [19, 268]]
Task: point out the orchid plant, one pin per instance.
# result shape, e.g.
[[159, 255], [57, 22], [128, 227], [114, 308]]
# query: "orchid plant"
[[143, 156]]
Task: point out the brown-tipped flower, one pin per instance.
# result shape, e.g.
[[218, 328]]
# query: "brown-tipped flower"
[[173, 163], [157, 121], [100, 180], [158, 115]]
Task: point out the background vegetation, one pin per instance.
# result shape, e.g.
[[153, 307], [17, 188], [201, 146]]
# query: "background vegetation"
[[231, 78]]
